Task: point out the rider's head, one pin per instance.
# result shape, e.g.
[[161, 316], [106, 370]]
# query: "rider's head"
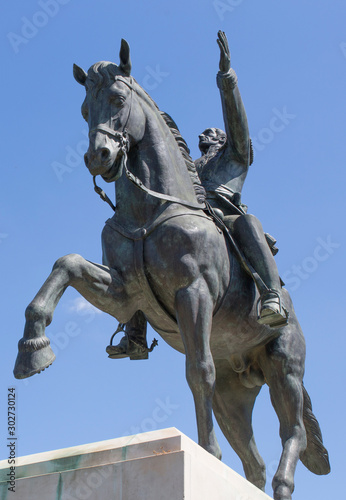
[[211, 137]]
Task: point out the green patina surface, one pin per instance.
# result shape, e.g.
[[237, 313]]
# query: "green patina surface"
[[51, 466], [59, 488]]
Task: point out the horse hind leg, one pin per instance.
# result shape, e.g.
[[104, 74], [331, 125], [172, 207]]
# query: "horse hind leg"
[[93, 281], [283, 370], [233, 405]]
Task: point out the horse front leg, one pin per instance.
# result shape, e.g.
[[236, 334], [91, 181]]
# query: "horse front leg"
[[95, 282], [194, 309]]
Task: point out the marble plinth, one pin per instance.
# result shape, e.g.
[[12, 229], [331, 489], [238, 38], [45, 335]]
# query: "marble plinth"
[[158, 465]]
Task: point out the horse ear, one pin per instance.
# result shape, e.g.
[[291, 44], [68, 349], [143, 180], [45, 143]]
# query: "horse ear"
[[125, 61], [79, 74]]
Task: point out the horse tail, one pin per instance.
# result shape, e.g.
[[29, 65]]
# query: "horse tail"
[[315, 456]]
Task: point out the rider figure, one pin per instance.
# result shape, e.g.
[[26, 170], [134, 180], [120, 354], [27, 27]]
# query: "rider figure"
[[222, 168]]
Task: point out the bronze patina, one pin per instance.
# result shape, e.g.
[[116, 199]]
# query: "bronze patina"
[[181, 253]]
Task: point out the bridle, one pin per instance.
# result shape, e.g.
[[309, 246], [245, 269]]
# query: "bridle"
[[124, 147], [123, 137], [108, 130]]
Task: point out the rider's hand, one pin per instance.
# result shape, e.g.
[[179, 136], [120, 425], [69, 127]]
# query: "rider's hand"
[[225, 55]]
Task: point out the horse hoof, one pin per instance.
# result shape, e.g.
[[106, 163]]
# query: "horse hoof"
[[214, 450], [282, 492], [34, 355]]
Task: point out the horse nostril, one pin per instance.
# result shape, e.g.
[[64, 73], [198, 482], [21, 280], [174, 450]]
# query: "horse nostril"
[[105, 153], [86, 159]]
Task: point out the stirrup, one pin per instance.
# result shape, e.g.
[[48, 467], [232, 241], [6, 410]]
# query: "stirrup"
[[133, 349], [274, 319]]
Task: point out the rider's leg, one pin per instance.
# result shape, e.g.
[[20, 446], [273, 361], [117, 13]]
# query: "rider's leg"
[[248, 233], [134, 343]]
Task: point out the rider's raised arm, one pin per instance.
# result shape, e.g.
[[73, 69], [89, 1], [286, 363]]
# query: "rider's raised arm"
[[234, 115]]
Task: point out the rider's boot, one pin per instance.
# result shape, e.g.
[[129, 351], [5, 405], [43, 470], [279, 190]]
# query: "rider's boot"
[[134, 343], [248, 233]]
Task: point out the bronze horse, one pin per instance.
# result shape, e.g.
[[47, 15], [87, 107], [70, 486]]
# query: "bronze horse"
[[164, 258]]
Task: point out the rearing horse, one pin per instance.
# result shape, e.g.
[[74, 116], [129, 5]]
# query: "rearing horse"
[[164, 258]]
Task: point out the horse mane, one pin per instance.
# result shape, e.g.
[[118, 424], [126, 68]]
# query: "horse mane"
[[185, 151], [103, 74]]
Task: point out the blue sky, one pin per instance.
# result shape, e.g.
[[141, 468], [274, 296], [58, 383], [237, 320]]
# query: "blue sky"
[[290, 58]]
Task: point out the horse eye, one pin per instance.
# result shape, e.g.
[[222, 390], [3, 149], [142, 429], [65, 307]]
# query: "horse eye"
[[117, 99]]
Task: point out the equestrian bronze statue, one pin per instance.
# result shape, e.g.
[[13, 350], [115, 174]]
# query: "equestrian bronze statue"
[[222, 169], [181, 253]]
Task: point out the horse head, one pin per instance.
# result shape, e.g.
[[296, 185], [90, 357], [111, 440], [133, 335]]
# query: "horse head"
[[111, 108]]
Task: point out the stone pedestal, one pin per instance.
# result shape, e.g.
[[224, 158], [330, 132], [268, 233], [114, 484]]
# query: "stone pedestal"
[[159, 465]]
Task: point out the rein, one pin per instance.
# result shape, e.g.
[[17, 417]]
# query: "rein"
[[137, 182], [123, 138], [124, 148]]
